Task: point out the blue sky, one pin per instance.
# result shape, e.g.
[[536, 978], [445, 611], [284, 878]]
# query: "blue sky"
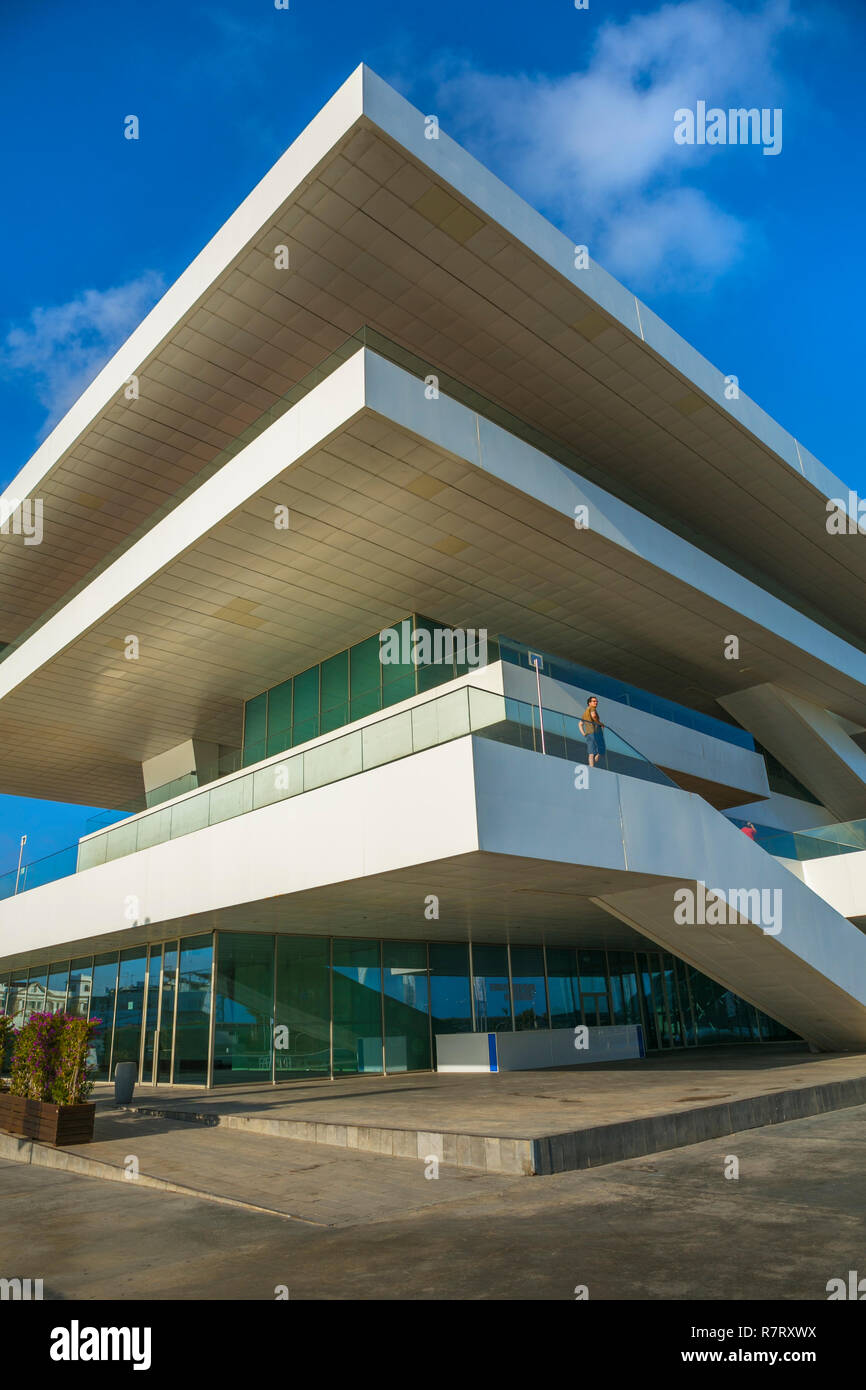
[[754, 259]]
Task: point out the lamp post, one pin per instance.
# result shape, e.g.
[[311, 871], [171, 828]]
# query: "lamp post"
[[536, 662], [20, 857]]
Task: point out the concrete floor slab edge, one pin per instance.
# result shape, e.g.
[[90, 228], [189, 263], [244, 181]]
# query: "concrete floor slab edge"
[[602, 1144], [555, 1153]]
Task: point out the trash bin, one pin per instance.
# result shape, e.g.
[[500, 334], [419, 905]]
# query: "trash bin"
[[125, 1074]]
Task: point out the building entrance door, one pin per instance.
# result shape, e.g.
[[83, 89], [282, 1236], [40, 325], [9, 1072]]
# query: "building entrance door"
[[150, 1031], [158, 1031]]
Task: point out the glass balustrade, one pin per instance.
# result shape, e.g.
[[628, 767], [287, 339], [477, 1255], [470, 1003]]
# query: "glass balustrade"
[[822, 842], [468, 710]]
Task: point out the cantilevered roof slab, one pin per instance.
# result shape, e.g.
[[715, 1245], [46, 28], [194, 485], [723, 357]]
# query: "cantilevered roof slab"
[[396, 503], [415, 238]]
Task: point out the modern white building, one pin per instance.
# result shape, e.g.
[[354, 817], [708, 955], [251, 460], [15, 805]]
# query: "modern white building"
[[389, 402]]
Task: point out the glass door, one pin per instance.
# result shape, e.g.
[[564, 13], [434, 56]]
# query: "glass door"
[[150, 1032], [166, 1012]]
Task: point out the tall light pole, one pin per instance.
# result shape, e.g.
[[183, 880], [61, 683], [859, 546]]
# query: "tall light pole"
[[20, 857], [536, 662]]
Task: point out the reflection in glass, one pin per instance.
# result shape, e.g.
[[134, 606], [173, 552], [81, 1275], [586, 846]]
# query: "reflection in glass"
[[407, 1026], [450, 998], [564, 988], [36, 991], [102, 1007], [166, 1010], [357, 980], [490, 986], [55, 996], [192, 1024], [130, 997], [302, 1025], [151, 1017], [527, 987], [243, 1023], [80, 980]]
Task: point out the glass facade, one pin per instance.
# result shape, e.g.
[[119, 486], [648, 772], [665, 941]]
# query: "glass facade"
[[361, 680], [279, 1008]]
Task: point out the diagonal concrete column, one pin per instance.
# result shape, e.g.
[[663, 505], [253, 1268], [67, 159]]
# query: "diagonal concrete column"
[[811, 742]]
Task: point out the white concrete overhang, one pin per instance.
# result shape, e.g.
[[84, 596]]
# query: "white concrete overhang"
[[417, 239], [397, 504]]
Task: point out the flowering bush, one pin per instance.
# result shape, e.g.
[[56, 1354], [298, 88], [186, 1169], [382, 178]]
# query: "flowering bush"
[[7, 1035], [71, 1083], [49, 1059]]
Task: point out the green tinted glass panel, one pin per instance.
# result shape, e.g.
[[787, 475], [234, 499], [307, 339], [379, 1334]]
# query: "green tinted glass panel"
[[243, 1009], [402, 687], [306, 707], [407, 1023], [302, 1027], [399, 675], [130, 998], [192, 1025], [278, 742], [255, 719], [365, 682], [357, 983], [280, 709], [335, 691], [436, 651]]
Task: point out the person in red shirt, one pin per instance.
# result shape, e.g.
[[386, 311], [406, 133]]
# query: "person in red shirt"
[[749, 829]]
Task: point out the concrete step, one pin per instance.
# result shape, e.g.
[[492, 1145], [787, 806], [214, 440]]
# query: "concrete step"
[[540, 1154]]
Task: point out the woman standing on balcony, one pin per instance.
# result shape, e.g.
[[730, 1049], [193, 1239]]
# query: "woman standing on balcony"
[[593, 731]]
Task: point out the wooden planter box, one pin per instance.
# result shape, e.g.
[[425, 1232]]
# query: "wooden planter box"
[[11, 1113], [46, 1122]]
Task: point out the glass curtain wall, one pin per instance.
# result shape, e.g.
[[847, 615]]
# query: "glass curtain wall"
[[289, 1006], [361, 680]]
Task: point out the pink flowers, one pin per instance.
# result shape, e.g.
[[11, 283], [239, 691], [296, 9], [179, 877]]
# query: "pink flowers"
[[49, 1058]]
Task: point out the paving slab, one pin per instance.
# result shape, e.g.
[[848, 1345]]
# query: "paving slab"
[[310, 1183], [529, 1123]]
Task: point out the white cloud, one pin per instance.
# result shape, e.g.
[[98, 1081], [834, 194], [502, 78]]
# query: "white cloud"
[[595, 148], [61, 349]]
